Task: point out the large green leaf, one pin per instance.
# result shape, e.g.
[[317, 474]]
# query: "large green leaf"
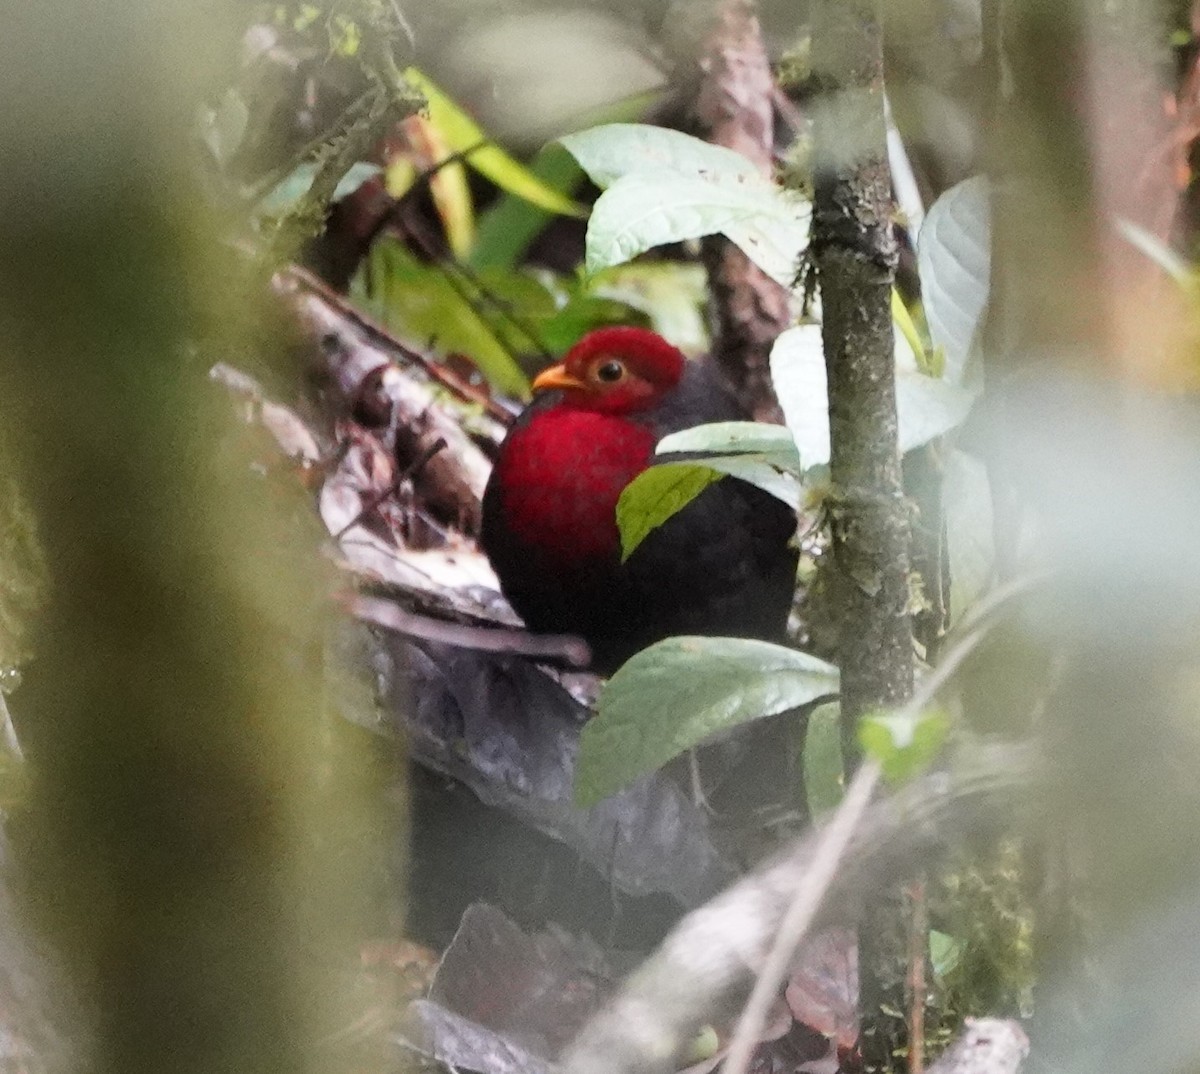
[[610, 152], [732, 437], [463, 135], [649, 209], [927, 407], [674, 695], [954, 263], [661, 186]]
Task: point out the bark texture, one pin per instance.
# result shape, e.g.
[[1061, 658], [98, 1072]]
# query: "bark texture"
[[733, 108], [855, 254]]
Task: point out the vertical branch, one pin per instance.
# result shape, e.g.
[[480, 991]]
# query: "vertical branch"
[[855, 254], [733, 108]]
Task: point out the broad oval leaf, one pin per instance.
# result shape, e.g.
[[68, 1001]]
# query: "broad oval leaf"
[[674, 695], [926, 407], [732, 437], [798, 373], [954, 263], [648, 209], [614, 150]]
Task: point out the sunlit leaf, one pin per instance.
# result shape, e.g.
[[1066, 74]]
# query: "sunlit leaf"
[[953, 261], [674, 695], [661, 186], [448, 185], [609, 152], [903, 744], [907, 328], [731, 437], [761, 455], [649, 209], [466, 137]]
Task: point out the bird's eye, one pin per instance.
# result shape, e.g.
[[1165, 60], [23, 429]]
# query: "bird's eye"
[[610, 372]]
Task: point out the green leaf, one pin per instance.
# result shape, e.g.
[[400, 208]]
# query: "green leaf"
[[661, 186], [655, 495], [926, 406], [954, 264], [674, 695], [761, 471], [506, 229], [903, 745], [824, 780], [908, 330], [418, 302], [465, 136], [650, 209], [732, 437], [612, 151]]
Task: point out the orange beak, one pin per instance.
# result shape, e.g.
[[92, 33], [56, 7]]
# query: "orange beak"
[[557, 377]]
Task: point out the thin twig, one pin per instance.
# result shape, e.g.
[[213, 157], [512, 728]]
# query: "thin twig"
[[382, 338], [800, 915], [818, 878], [565, 648], [372, 502]]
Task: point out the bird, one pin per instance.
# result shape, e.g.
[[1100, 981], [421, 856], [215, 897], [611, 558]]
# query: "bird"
[[724, 565]]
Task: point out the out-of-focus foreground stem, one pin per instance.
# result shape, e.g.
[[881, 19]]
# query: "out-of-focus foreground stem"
[[172, 848]]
